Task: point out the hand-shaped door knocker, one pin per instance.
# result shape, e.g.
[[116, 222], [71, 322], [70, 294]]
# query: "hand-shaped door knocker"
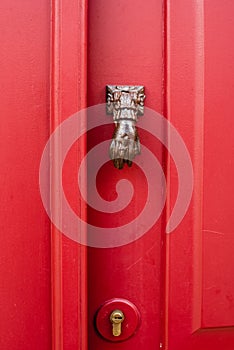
[[125, 103]]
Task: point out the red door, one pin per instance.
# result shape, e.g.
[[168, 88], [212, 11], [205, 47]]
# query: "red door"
[[175, 289]]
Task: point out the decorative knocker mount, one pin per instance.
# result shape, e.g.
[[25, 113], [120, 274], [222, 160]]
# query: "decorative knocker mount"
[[125, 103]]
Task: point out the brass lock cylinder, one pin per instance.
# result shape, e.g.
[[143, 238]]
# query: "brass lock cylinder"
[[116, 318]]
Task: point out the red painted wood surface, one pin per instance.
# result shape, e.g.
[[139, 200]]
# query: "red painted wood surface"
[[184, 292], [199, 265], [25, 317], [126, 47]]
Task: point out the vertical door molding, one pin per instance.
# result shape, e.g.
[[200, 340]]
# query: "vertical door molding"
[[68, 95], [185, 110], [185, 102]]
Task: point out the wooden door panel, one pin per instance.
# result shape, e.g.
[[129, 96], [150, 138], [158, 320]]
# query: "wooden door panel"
[[25, 318], [199, 304], [126, 47], [218, 187]]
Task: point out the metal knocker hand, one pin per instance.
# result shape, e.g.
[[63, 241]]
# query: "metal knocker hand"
[[125, 144], [125, 103]]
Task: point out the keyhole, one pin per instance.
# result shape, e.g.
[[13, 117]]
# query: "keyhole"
[[116, 318]]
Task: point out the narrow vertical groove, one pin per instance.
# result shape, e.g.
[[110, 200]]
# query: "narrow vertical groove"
[[56, 237], [198, 162], [82, 103], [167, 162]]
